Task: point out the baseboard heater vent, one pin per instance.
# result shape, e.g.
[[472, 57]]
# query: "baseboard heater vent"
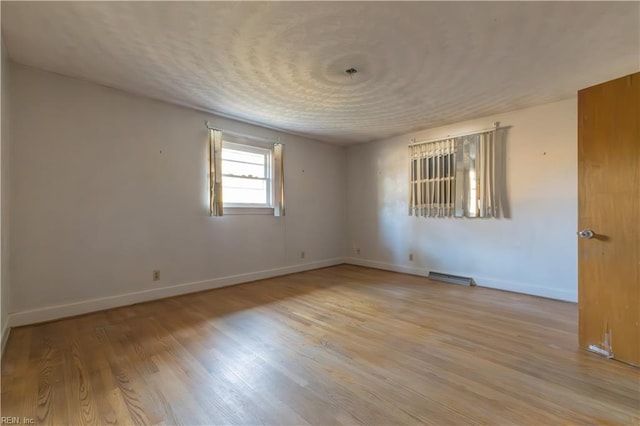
[[448, 278]]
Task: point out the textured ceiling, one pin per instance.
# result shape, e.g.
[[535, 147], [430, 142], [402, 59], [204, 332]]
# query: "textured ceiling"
[[282, 64]]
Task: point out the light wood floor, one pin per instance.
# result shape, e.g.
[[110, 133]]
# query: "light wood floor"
[[341, 345]]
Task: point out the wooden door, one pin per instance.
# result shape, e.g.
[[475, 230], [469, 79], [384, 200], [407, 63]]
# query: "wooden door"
[[609, 205]]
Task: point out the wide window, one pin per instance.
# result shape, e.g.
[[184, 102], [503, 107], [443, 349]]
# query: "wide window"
[[457, 177]]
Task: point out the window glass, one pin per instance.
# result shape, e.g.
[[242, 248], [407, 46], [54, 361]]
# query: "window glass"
[[246, 175]]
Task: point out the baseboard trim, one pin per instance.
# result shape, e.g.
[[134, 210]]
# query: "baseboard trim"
[[50, 313], [386, 266], [533, 290], [516, 287]]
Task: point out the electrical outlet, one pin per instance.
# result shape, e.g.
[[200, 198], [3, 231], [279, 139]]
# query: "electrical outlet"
[[302, 255], [156, 275], [411, 257], [358, 250]]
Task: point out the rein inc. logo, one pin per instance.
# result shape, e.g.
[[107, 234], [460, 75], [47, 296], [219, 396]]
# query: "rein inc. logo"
[[17, 421]]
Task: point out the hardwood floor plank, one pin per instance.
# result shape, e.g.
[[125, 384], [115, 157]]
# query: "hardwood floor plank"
[[17, 390], [142, 399], [340, 345], [51, 408]]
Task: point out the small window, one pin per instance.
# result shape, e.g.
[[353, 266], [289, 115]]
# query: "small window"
[[247, 178]]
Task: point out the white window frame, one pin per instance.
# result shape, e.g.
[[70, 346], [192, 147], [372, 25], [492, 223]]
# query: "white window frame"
[[256, 148]]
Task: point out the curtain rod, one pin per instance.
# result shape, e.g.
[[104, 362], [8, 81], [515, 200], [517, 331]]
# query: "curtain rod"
[[242, 135], [496, 126]]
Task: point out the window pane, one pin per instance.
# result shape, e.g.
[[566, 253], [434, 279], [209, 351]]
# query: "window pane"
[[446, 161], [244, 191], [246, 175], [243, 169], [243, 156]]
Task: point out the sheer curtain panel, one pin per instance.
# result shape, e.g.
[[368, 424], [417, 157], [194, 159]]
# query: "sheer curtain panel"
[[278, 176], [215, 173]]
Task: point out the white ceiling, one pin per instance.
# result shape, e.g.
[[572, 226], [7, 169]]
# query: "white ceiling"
[[282, 64]]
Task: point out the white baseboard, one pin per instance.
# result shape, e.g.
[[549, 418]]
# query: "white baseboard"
[[5, 337], [49, 313], [516, 287], [534, 290], [386, 266]]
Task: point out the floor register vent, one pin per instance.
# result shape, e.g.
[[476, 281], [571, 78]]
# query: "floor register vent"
[[448, 278]]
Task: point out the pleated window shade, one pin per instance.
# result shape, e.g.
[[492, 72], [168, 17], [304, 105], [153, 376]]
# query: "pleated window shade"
[[454, 177]]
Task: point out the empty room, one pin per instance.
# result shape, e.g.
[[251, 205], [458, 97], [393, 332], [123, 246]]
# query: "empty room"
[[320, 213]]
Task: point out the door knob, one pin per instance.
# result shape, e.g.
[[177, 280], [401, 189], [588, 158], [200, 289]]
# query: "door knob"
[[586, 233]]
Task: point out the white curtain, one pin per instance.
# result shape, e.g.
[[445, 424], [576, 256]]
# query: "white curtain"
[[215, 173], [478, 174], [278, 176], [454, 177]]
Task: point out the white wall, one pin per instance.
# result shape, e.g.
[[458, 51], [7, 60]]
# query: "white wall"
[[4, 199], [107, 186], [534, 251]]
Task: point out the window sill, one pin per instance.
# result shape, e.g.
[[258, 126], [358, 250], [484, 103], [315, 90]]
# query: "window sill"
[[231, 211]]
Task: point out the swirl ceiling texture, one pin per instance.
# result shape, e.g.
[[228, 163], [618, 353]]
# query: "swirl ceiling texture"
[[283, 64]]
